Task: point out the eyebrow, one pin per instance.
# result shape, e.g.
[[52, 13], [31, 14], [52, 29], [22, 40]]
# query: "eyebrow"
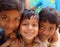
[[17, 17], [42, 24], [3, 15], [35, 22], [27, 20]]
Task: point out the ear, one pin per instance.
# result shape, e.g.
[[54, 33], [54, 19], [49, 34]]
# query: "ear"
[[53, 38]]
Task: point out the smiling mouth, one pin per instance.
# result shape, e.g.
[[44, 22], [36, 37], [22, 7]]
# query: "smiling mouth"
[[28, 33], [43, 35]]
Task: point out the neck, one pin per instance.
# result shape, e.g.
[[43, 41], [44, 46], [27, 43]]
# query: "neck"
[[28, 41]]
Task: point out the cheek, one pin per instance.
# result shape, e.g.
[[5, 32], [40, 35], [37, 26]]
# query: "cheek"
[[52, 32], [36, 31], [40, 31], [16, 25], [2, 23], [22, 29]]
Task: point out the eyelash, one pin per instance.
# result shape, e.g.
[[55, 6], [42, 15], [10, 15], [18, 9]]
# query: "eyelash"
[[27, 24], [24, 24], [34, 25], [42, 28], [50, 28], [4, 18], [17, 19]]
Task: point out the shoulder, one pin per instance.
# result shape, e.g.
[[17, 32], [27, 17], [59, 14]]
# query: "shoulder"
[[15, 43], [39, 43]]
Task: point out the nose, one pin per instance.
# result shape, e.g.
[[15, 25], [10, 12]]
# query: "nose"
[[30, 29], [11, 24], [30, 26], [45, 32]]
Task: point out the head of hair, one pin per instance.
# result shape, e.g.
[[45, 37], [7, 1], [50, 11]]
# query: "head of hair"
[[27, 15], [11, 4], [50, 15]]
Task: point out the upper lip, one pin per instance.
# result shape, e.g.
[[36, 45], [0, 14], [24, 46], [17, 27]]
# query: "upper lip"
[[28, 33]]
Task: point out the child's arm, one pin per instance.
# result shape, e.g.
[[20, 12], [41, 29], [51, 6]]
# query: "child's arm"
[[55, 40], [39, 3], [27, 4], [15, 43], [6, 44]]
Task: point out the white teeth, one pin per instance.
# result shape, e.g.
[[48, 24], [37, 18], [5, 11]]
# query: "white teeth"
[[29, 33]]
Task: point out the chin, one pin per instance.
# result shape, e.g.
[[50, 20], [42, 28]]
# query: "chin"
[[29, 38]]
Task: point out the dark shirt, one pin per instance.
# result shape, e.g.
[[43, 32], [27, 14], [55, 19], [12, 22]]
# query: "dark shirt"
[[2, 40]]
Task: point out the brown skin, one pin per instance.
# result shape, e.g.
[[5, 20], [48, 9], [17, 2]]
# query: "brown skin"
[[33, 8], [47, 30], [11, 43], [29, 30], [9, 21], [6, 43], [27, 4], [53, 38]]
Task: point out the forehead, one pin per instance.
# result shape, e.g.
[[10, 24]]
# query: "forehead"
[[31, 19], [10, 13], [47, 24]]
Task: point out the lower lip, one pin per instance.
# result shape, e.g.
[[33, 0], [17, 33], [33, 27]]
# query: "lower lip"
[[29, 34]]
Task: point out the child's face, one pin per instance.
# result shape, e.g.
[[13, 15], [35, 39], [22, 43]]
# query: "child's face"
[[29, 28], [9, 20], [46, 30]]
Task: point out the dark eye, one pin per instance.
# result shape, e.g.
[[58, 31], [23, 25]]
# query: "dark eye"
[[4, 18], [25, 24], [50, 28], [17, 19], [42, 27], [34, 25]]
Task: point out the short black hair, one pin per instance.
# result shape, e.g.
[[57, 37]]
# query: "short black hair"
[[49, 14], [11, 4], [28, 13]]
